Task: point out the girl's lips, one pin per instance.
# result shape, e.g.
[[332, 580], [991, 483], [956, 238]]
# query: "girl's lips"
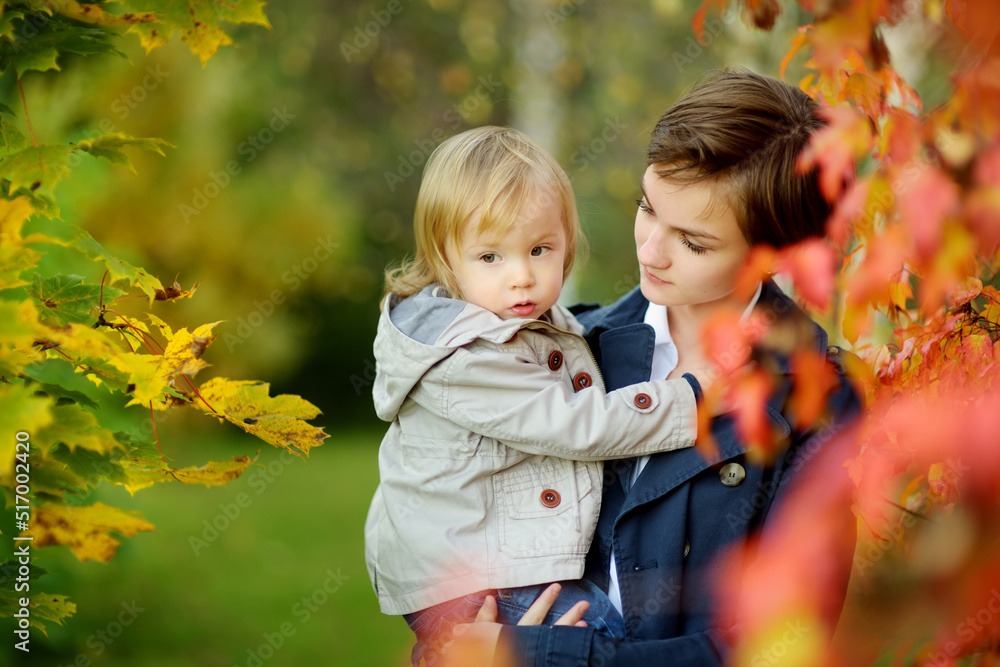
[[523, 309], [653, 279]]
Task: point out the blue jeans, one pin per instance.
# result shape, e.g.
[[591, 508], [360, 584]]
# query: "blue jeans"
[[512, 603], [433, 626]]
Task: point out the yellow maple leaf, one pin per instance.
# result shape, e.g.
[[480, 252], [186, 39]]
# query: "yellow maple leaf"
[[143, 473], [86, 530], [21, 411], [75, 427], [277, 420], [13, 213], [198, 22], [154, 374]]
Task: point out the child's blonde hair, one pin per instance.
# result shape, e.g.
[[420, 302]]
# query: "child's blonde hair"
[[494, 170]]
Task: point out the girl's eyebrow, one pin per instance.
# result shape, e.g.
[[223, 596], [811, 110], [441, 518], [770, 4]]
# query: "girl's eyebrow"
[[687, 231]]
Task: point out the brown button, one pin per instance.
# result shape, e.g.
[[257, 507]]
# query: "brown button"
[[642, 401], [582, 381], [555, 360], [550, 497]]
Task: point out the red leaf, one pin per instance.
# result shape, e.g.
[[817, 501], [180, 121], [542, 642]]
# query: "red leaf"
[[924, 201], [835, 148], [811, 265], [839, 227]]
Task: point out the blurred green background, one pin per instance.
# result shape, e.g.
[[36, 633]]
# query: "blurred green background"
[[290, 189]]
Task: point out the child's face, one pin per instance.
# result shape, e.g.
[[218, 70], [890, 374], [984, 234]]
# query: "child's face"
[[519, 274], [690, 248]]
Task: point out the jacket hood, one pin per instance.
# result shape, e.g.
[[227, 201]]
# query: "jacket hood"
[[421, 330]]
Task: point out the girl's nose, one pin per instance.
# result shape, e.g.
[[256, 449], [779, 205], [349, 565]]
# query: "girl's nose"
[[521, 276]]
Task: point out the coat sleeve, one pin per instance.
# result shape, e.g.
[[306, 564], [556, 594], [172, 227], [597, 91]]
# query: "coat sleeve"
[[562, 646], [529, 408]]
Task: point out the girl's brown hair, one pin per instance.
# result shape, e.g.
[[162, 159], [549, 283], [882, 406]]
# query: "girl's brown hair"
[[745, 131]]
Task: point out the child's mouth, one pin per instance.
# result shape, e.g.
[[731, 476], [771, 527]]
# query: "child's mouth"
[[523, 308]]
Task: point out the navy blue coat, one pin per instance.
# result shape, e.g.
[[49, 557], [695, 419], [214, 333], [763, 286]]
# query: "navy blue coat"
[[677, 518]]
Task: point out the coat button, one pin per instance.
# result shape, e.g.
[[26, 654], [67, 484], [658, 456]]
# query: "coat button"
[[582, 381], [687, 548], [555, 360], [642, 401], [550, 497], [732, 474]]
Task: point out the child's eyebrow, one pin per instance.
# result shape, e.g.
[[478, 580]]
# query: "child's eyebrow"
[[687, 231]]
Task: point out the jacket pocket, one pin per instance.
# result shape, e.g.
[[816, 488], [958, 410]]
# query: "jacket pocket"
[[545, 508]]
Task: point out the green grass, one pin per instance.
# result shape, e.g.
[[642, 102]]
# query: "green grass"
[[216, 608]]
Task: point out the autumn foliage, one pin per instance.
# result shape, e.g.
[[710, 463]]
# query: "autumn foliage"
[[909, 276], [101, 328]]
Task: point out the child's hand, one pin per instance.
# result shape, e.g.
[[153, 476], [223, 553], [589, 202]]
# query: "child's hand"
[[537, 611], [476, 643]]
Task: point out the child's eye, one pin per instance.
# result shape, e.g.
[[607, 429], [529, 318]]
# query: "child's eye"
[[488, 258], [643, 206], [538, 251], [696, 249]]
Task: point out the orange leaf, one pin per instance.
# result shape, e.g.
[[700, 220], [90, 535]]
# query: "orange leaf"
[[811, 265], [814, 380], [749, 396], [800, 40], [848, 210], [924, 201], [835, 148]]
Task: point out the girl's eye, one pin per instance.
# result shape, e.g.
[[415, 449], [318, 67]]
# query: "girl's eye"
[[696, 249], [538, 251], [488, 258], [643, 206]]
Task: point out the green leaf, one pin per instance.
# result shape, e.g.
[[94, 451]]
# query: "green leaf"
[[69, 299], [36, 169], [118, 269], [74, 427], [108, 146], [20, 410], [36, 41], [197, 21], [44, 607]]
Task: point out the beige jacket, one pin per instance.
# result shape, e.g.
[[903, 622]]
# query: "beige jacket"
[[490, 473]]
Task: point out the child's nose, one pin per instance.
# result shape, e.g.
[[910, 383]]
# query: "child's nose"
[[521, 275]]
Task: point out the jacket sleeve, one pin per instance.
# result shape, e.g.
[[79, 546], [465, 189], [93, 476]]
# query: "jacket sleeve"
[[563, 646], [529, 408]]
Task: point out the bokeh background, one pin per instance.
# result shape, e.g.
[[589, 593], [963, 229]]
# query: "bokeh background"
[[296, 162]]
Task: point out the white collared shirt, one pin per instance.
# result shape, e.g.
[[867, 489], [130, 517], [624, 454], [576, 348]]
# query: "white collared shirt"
[[665, 358]]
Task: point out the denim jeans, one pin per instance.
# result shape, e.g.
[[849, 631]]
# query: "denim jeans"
[[512, 603], [433, 626]]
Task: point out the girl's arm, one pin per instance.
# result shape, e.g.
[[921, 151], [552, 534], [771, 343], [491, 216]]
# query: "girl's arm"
[[527, 407]]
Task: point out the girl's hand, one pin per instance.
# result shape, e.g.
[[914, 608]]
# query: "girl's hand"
[[476, 643]]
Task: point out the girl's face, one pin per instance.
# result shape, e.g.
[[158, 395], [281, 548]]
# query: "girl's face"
[[690, 248], [520, 272]]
